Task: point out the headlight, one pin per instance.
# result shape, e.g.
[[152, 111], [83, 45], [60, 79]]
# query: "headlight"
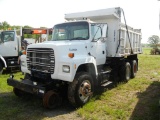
[[66, 68]]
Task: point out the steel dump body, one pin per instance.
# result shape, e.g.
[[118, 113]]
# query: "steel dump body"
[[120, 41]]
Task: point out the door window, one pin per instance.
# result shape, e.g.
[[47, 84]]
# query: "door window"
[[7, 36], [96, 32]]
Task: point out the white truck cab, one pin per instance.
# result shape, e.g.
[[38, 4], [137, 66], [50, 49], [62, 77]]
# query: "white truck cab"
[[9, 48], [11, 42]]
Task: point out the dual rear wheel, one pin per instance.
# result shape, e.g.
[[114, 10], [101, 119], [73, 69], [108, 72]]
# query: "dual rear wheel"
[[130, 69]]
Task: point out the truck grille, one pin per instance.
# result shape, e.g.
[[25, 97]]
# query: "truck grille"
[[41, 59]]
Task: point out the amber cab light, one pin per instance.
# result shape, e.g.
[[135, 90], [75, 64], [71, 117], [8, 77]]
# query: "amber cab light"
[[71, 55]]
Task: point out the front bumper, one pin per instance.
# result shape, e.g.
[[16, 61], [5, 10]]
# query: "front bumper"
[[27, 86]]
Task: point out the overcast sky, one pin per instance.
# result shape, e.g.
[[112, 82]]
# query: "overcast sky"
[[140, 14]]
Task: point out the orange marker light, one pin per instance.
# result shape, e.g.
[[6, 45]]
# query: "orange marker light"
[[71, 55]]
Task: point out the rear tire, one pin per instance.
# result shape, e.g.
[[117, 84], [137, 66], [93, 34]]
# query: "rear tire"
[[80, 90], [127, 71], [134, 68]]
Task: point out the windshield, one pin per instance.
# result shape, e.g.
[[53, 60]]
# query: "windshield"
[[71, 31], [7, 36]]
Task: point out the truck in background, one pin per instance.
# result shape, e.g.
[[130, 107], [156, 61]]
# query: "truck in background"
[[90, 50], [10, 45]]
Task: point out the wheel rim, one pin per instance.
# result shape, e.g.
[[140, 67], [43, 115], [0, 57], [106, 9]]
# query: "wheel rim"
[[85, 91]]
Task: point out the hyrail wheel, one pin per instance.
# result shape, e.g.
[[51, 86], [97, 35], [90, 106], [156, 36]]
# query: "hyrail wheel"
[[51, 99], [81, 89]]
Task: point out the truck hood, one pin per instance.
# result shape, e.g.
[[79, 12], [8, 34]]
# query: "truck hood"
[[78, 47], [51, 44]]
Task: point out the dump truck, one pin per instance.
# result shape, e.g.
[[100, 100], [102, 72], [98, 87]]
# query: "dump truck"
[[90, 50], [11, 42]]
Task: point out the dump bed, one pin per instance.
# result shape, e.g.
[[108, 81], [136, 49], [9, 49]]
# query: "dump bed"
[[120, 41]]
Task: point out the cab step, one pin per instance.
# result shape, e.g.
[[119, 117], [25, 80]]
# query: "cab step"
[[106, 72], [106, 83]]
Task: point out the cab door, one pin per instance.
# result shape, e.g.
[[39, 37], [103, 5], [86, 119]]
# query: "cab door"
[[8, 44], [98, 44]]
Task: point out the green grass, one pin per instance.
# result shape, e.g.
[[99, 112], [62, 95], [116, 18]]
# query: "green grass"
[[135, 100], [146, 51], [3, 85]]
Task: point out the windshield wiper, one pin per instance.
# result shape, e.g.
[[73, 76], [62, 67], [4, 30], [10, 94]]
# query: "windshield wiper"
[[78, 38]]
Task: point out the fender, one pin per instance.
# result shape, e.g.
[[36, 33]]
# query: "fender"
[[74, 65], [85, 60], [3, 61]]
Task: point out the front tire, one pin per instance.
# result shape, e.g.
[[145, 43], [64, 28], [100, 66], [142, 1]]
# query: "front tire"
[[81, 89]]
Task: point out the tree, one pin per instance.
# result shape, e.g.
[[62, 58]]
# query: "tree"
[[27, 26], [154, 40], [4, 25], [15, 27]]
